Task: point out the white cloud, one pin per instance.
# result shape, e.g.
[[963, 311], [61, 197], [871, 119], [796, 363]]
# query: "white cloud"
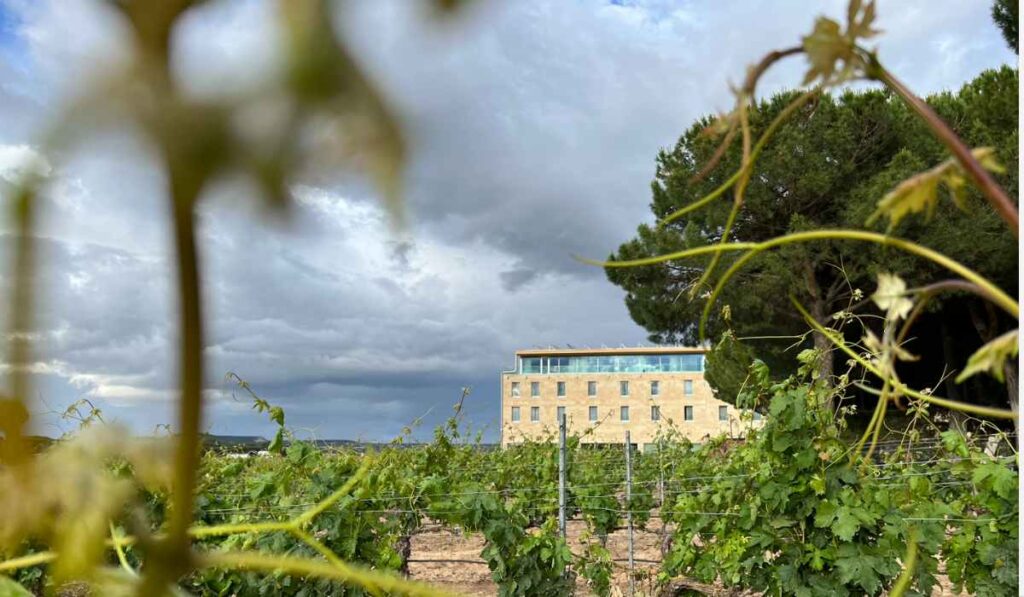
[[20, 161], [534, 127]]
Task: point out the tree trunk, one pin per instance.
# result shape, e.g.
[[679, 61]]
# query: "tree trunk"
[[666, 540], [404, 548], [822, 344]]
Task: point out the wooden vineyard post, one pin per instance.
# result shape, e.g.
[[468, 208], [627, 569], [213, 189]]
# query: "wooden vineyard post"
[[561, 476], [629, 509]]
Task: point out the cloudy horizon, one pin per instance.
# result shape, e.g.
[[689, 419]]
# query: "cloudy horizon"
[[533, 127]]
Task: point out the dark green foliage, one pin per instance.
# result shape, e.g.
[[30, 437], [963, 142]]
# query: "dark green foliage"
[[785, 512], [276, 488], [593, 489], [596, 567], [788, 513], [1005, 13], [726, 367], [826, 168]]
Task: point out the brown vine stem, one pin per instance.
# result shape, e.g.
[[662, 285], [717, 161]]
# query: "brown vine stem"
[[925, 294], [715, 157], [186, 460], [994, 193], [13, 412], [756, 71], [174, 553], [898, 386]]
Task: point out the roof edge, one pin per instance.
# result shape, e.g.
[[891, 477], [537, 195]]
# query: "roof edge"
[[635, 350]]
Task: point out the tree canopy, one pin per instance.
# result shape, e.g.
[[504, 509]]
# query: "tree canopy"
[[1005, 13], [827, 167]]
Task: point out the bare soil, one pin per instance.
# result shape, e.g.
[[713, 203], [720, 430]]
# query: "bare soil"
[[451, 560]]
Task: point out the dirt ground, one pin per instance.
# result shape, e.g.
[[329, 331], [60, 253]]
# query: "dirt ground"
[[450, 560]]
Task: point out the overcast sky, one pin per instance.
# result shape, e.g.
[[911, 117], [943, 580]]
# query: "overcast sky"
[[534, 127]]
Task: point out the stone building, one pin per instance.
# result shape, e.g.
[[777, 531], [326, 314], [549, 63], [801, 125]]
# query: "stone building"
[[605, 391]]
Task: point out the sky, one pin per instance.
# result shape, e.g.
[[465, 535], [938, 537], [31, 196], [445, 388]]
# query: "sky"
[[533, 128]]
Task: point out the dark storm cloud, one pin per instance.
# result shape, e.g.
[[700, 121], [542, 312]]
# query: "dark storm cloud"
[[538, 122], [533, 130], [514, 279]]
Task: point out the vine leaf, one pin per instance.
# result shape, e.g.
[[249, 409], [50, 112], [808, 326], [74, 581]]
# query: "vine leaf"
[[1002, 479], [891, 297], [875, 347], [11, 588], [920, 192], [277, 444], [846, 523], [828, 45], [277, 415], [823, 46], [991, 357]]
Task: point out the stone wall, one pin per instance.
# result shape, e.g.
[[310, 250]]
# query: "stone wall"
[[609, 429]]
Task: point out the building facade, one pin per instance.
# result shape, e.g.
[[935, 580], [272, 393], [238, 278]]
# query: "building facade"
[[603, 392]]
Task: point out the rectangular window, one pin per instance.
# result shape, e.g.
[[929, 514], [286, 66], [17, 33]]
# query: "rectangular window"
[[560, 414], [515, 389], [757, 416], [624, 388], [669, 363], [593, 413], [534, 413], [534, 388], [723, 413], [655, 388], [688, 387], [561, 388], [655, 413], [591, 388], [515, 414], [687, 413], [623, 413]]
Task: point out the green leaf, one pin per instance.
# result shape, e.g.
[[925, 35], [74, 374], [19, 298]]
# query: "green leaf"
[[954, 442], [825, 513], [920, 192], [824, 46], [991, 357], [10, 588], [891, 297], [827, 45], [277, 415], [858, 22], [277, 444], [1001, 479], [817, 483], [858, 569], [846, 523]]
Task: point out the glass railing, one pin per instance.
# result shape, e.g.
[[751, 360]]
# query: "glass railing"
[[674, 363]]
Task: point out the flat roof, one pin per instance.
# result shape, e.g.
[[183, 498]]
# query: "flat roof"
[[575, 352]]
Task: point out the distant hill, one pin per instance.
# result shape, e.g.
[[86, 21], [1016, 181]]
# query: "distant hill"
[[253, 443]]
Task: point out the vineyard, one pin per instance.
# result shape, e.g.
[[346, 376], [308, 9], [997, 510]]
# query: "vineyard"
[[785, 510], [919, 495]]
